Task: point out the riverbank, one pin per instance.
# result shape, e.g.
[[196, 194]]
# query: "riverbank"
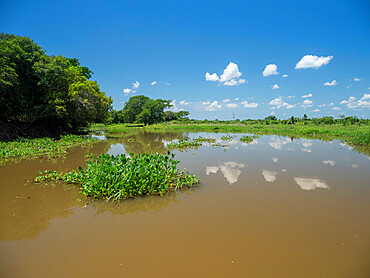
[[353, 134]]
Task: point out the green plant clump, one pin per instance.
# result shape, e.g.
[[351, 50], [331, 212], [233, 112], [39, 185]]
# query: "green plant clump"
[[228, 137], [202, 139], [40, 147], [120, 177], [184, 144], [246, 139]]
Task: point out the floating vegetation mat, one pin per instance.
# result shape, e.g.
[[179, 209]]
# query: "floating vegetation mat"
[[40, 147], [120, 177]]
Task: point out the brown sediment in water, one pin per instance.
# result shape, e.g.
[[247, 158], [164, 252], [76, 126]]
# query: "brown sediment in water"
[[271, 208]]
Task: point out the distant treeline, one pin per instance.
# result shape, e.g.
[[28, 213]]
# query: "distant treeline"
[[271, 120], [42, 95]]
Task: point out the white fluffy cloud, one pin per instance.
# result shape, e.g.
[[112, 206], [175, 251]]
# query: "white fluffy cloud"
[[126, 91], [135, 85], [212, 77], [353, 103], [336, 108], [270, 69], [274, 87], [225, 100], [212, 106], [356, 79], [333, 83], [231, 105], [230, 76], [153, 83], [313, 61], [306, 96], [285, 75], [279, 103], [249, 105], [183, 102], [307, 103]]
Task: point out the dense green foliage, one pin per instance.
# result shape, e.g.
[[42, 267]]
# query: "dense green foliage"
[[121, 177], [141, 109], [42, 90], [40, 147]]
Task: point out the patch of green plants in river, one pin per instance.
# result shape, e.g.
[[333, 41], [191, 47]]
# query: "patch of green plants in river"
[[120, 177], [228, 137], [40, 147], [246, 139], [184, 145]]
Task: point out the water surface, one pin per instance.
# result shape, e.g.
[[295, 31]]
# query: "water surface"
[[275, 207]]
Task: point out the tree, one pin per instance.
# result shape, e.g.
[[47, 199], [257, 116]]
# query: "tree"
[[153, 111], [40, 90], [271, 118], [133, 107]]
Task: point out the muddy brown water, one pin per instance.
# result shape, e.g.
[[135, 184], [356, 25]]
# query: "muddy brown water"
[[276, 207]]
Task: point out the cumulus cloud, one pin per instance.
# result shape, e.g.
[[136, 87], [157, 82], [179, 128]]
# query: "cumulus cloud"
[[356, 79], [225, 100], [306, 96], [135, 85], [333, 83], [153, 83], [336, 108], [212, 77], [279, 103], [212, 106], [285, 75], [231, 105], [353, 103], [183, 102], [307, 103], [316, 110], [236, 98], [249, 105], [274, 87], [230, 76], [126, 91], [270, 69], [174, 106], [313, 61]]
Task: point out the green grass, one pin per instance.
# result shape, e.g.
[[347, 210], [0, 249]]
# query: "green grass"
[[120, 177], [40, 147]]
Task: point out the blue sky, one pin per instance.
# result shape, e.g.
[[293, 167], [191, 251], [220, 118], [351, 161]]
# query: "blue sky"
[[175, 43]]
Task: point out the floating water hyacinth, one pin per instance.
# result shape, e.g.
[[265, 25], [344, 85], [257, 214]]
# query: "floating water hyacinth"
[[120, 177]]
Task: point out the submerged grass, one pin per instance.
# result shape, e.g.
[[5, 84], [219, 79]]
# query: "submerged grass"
[[40, 147], [120, 177]]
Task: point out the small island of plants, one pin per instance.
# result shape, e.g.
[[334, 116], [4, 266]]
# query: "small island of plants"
[[121, 177]]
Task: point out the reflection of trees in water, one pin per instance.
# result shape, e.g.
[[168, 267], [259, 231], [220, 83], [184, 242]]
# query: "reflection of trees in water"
[[154, 203], [22, 217], [146, 142]]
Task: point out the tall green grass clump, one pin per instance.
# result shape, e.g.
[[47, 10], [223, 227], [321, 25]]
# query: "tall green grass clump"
[[120, 177]]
